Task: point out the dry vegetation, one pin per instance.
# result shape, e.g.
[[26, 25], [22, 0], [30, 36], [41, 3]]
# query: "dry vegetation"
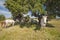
[[18, 33]]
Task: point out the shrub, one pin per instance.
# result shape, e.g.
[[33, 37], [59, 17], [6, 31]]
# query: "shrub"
[[2, 17]]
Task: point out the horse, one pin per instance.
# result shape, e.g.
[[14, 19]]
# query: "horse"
[[43, 20], [7, 22]]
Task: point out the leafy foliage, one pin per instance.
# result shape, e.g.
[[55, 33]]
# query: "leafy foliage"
[[53, 6], [2, 17], [23, 6]]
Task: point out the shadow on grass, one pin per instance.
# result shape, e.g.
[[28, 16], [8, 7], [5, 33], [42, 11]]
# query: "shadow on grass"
[[25, 25], [30, 25], [50, 25], [8, 26], [37, 27]]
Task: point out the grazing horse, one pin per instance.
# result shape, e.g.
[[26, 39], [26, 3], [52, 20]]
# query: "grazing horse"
[[6, 22], [9, 22]]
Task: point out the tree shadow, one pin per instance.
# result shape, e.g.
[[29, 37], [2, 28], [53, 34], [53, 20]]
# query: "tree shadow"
[[8, 26], [37, 27], [25, 25], [50, 25], [29, 25]]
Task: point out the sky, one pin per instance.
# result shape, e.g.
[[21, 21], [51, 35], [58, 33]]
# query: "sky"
[[4, 10]]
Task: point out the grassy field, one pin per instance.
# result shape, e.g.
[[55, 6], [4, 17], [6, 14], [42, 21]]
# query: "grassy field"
[[51, 32]]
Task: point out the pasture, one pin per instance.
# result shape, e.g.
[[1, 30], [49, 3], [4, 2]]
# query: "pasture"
[[29, 33]]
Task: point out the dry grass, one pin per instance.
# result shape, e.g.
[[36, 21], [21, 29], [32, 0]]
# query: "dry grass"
[[18, 33]]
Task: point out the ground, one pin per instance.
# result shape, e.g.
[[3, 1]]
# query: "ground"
[[51, 32]]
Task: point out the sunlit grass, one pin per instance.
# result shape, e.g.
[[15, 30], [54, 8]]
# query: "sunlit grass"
[[25, 33]]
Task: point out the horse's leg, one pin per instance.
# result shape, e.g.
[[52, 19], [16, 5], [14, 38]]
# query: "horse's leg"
[[5, 25], [13, 24], [41, 22], [1, 24]]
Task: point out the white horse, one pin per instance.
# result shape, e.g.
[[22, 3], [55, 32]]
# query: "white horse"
[[43, 21], [8, 22]]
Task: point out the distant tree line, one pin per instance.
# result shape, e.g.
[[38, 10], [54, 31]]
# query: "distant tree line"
[[2, 17], [53, 7]]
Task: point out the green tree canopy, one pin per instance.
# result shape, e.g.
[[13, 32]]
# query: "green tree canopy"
[[23, 6], [53, 6]]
